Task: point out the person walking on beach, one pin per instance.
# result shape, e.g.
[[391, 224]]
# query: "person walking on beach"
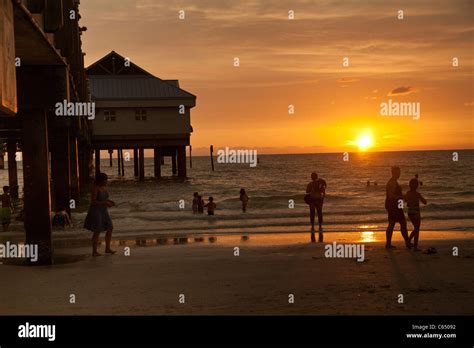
[[211, 206], [244, 199], [7, 208], [315, 193], [98, 219], [394, 207], [413, 199]]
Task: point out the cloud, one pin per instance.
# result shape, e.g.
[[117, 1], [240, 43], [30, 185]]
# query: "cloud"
[[347, 80], [469, 103], [401, 91], [391, 136]]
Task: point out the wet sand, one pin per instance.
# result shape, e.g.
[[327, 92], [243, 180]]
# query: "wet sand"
[[258, 281]]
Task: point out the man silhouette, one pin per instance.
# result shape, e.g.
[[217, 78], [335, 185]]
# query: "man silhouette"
[[315, 193], [394, 207]]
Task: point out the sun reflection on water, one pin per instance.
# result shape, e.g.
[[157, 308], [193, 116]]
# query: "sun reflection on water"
[[367, 237]]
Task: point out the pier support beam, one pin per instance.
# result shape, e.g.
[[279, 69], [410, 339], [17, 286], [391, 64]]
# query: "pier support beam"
[[37, 194], [111, 162], [12, 168], [2, 159], [181, 161], [119, 161], [75, 172], [123, 162], [97, 162], [157, 162], [135, 162], [141, 155], [173, 162]]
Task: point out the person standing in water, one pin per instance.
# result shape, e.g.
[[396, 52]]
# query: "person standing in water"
[[195, 202], [419, 182], [200, 205], [98, 219], [244, 199], [394, 207], [315, 193], [211, 206]]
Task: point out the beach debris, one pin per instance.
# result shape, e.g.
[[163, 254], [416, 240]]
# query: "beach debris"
[[430, 250], [140, 242], [180, 240], [317, 257], [161, 241], [424, 290]]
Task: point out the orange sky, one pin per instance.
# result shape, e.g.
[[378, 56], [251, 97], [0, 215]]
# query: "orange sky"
[[300, 62]]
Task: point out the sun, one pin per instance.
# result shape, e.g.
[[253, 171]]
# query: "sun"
[[364, 142]]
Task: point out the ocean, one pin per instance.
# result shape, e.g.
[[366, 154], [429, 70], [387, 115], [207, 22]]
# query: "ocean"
[[153, 206], [277, 180]]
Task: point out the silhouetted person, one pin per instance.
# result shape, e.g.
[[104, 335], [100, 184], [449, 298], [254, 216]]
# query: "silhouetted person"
[[420, 182], [244, 199], [315, 193], [61, 218], [413, 199], [368, 183], [7, 208], [200, 205], [195, 202], [394, 207], [98, 219], [211, 206]]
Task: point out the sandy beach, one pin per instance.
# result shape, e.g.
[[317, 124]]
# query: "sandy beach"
[[259, 281]]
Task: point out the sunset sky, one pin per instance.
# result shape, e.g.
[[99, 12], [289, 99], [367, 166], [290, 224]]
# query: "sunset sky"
[[300, 62]]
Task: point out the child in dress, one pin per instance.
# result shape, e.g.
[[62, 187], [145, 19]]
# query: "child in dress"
[[98, 219]]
